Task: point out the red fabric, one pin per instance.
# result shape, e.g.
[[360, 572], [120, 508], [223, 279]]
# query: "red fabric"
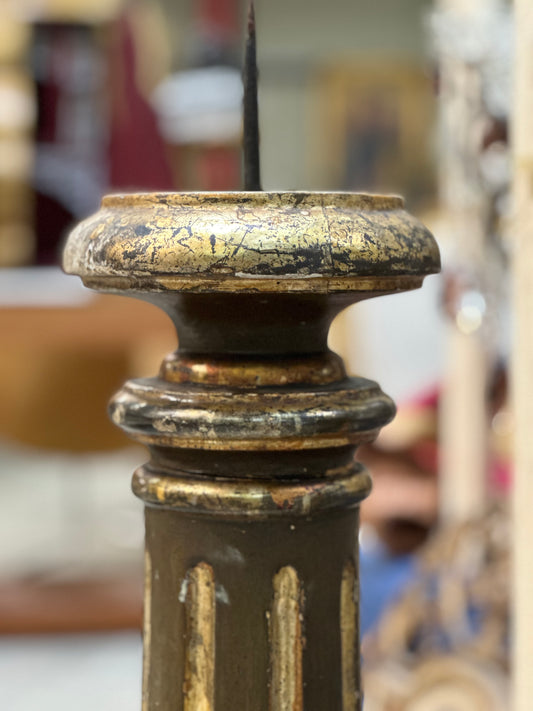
[[220, 15], [219, 169], [137, 153]]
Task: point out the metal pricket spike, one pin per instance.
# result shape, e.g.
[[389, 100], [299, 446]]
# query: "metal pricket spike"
[[251, 159]]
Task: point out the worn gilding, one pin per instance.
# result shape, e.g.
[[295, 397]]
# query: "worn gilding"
[[349, 411], [314, 370], [251, 241], [351, 696], [286, 640], [199, 684], [252, 498], [147, 628]]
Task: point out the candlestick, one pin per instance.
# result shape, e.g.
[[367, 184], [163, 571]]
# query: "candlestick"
[[251, 489]]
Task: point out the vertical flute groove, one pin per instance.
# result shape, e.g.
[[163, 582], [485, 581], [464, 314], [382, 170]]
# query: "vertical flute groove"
[[199, 683], [286, 640], [349, 616], [147, 627]]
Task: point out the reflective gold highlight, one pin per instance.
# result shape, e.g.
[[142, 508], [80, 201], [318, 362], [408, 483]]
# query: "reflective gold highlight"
[[286, 690], [147, 627], [199, 683], [267, 241], [312, 370], [349, 616]]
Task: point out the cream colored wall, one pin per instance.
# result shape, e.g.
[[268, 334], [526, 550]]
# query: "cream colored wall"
[[316, 29], [297, 39]]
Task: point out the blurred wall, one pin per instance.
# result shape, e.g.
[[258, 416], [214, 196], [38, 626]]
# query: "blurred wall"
[[296, 41]]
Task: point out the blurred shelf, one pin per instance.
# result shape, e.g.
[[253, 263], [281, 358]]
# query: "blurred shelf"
[[33, 607], [60, 363]]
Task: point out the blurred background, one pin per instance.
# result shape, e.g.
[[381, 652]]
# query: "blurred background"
[[376, 95]]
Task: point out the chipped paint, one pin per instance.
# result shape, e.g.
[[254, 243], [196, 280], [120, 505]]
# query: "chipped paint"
[[221, 594], [183, 589], [289, 275]]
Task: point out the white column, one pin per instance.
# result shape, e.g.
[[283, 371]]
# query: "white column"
[[522, 376], [463, 420]]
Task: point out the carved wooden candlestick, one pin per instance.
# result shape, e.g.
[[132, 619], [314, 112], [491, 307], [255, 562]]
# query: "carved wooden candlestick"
[[251, 489]]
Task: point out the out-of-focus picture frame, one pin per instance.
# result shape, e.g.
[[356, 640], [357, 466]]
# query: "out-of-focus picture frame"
[[376, 122]]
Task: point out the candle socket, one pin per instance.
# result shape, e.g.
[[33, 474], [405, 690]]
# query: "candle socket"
[[251, 489]]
